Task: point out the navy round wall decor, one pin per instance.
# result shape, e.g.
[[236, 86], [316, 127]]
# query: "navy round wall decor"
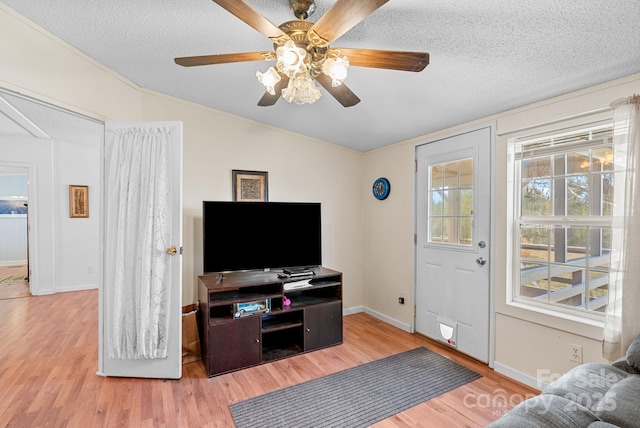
[[381, 188]]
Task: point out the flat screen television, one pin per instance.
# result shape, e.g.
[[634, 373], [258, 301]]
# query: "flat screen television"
[[261, 235]]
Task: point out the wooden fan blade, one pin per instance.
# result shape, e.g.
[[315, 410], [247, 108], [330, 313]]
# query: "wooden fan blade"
[[341, 17], [268, 99], [254, 19], [341, 93], [390, 60], [190, 61]]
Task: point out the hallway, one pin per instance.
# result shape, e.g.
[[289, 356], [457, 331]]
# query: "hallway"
[[14, 282]]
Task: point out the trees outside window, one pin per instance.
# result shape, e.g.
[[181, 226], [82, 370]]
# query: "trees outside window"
[[562, 215]]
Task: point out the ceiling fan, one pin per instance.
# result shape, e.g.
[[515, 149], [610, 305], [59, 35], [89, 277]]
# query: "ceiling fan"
[[303, 55]]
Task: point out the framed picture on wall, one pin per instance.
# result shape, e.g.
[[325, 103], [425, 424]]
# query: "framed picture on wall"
[[250, 186], [78, 201]]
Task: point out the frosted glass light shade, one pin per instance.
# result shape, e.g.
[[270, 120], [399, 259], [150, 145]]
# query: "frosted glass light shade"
[[269, 79], [336, 68], [301, 90], [291, 59]]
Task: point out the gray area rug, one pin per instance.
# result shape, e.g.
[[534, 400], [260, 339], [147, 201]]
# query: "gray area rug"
[[357, 397]]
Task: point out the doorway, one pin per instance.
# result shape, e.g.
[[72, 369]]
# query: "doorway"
[[14, 235], [453, 241]]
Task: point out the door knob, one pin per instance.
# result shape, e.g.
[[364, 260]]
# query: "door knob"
[[482, 244], [481, 261], [172, 251]]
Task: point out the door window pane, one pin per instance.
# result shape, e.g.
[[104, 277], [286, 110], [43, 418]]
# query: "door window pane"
[[435, 231], [466, 202], [437, 203], [450, 211], [436, 177], [466, 173], [451, 175]]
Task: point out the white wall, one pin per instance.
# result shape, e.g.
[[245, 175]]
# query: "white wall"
[[76, 239], [388, 246], [62, 248]]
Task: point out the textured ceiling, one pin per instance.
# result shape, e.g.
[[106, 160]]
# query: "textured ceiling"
[[485, 57]]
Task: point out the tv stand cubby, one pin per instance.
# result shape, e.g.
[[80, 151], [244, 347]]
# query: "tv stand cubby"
[[311, 321]]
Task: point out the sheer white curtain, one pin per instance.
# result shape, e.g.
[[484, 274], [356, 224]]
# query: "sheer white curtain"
[[622, 322], [138, 225]]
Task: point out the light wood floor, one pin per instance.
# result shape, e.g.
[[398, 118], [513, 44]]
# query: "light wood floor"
[[49, 355], [14, 290]]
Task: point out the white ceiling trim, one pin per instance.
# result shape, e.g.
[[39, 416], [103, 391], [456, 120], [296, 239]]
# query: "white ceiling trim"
[[21, 120]]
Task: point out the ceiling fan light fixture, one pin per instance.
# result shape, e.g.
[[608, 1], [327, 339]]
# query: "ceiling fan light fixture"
[[302, 9], [291, 59], [301, 90], [336, 68], [269, 79]]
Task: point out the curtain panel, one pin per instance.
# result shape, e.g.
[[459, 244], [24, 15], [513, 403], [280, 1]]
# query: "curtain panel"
[[138, 225], [622, 322]]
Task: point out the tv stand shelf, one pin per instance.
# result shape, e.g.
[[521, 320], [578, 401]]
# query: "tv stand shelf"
[[312, 321]]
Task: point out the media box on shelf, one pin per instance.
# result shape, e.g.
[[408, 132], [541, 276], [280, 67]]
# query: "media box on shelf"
[[246, 309]]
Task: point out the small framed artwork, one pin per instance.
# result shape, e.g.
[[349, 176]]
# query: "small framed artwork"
[[250, 186], [78, 201]]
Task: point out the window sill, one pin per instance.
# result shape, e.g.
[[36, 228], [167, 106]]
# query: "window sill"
[[571, 323]]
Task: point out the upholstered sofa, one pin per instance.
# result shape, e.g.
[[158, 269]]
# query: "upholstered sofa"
[[590, 395]]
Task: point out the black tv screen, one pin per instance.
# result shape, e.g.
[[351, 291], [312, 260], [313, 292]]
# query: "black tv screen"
[[260, 235]]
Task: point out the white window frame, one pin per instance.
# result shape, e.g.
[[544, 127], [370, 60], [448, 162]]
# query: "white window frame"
[[513, 237]]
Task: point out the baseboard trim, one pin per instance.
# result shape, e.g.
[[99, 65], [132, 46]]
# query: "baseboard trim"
[[80, 287], [528, 380], [394, 322], [382, 317], [13, 263], [351, 311]]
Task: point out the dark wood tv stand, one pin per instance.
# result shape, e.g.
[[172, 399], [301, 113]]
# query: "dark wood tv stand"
[[312, 321]]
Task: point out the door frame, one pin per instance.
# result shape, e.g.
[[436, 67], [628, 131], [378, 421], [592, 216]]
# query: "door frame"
[[492, 205]]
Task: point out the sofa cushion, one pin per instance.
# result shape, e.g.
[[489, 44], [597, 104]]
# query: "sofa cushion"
[[620, 405], [623, 365], [633, 354], [549, 411], [586, 384]]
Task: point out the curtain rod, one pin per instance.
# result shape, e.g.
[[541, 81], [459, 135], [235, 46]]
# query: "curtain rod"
[[556, 120]]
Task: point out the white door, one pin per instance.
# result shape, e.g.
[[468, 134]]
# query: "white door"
[[170, 367], [452, 243]]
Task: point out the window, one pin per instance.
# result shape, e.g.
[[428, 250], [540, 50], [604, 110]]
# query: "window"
[[563, 192], [451, 202]]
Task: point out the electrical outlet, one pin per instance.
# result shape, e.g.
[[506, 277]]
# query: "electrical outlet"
[[575, 353], [402, 299]]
